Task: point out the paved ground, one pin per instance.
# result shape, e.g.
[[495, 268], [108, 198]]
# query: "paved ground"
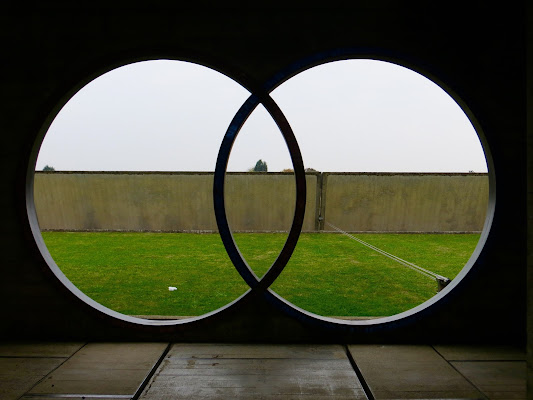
[[45, 371]]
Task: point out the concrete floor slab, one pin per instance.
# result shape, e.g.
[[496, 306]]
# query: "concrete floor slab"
[[103, 369], [496, 379], [18, 375], [481, 353], [246, 371], [38, 349], [254, 351], [255, 371], [410, 372]]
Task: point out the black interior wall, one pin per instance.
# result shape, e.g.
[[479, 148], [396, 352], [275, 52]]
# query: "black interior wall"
[[477, 52]]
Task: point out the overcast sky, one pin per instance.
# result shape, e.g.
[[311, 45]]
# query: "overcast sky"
[[357, 115]]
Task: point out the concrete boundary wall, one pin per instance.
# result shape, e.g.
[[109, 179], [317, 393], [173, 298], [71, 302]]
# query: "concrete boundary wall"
[[158, 201], [404, 202], [182, 201]]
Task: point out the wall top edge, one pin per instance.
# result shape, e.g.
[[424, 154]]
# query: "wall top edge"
[[258, 173]]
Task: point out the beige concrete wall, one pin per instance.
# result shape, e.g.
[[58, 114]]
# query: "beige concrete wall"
[[266, 201], [260, 201], [406, 202], [166, 201]]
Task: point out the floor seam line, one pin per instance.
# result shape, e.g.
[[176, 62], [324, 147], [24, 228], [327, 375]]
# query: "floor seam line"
[[36, 357], [480, 361], [459, 372], [82, 395], [151, 373], [366, 389], [258, 358], [55, 369]]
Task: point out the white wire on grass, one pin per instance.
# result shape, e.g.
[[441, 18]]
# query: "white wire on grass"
[[407, 264]]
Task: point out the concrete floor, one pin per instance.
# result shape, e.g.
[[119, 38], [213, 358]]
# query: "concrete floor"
[[247, 371]]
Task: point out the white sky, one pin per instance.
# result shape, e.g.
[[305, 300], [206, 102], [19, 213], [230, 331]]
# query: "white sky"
[[356, 115]]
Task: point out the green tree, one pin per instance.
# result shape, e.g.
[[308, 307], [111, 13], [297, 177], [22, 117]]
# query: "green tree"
[[261, 166], [48, 168]]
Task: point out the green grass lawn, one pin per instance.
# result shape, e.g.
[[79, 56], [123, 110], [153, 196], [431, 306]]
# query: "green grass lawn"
[[329, 274]]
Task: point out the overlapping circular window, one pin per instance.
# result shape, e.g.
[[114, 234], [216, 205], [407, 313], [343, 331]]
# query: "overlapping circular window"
[[354, 192]]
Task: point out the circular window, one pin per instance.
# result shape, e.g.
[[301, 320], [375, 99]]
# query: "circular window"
[[354, 193], [397, 191], [123, 190]]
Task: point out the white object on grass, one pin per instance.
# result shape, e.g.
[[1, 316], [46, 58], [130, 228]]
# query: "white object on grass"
[[172, 288]]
